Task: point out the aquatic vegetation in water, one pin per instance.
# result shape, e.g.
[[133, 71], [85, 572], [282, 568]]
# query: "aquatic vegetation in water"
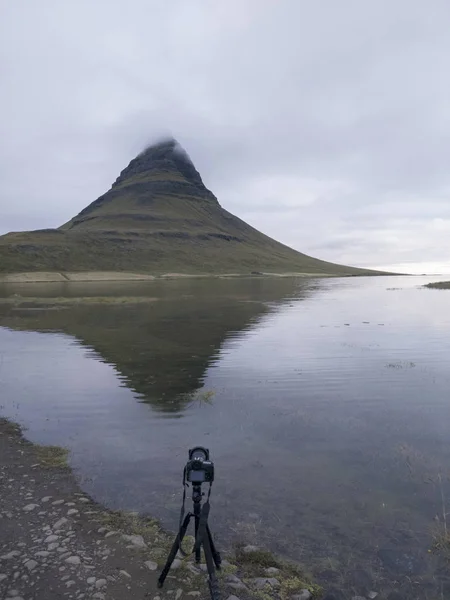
[[200, 398], [52, 456], [441, 537]]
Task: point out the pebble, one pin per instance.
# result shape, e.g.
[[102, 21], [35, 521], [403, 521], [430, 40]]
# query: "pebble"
[[12, 554], [176, 564], [249, 549], [59, 524], [51, 538], [193, 569], [13, 593], [71, 512], [178, 594], [70, 583], [52, 546], [151, 565], [73, 560], [125, 574], [57, 502], [31, 565], [43, 553], [230, 597], [372, 595], [237, 586], [90, 580], [261, 582], [100, 583], [195, 594], [30, 507], [232, 579], [99, 596], [272, 571], [136, 541], [303, 595], [3, 576], [111, 533], [46, 499]]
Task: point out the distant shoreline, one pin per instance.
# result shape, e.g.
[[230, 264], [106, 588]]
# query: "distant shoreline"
[[111, 276], [439, 285]]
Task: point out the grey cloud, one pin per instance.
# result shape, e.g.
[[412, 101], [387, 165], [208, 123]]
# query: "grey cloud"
[[343, 105]]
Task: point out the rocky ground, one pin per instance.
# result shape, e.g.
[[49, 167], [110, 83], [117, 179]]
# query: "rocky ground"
[[56, 543]]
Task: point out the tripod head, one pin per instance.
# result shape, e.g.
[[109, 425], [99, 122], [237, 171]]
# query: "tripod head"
[[197, 495]]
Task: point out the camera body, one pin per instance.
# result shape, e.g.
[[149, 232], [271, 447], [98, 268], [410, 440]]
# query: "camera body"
[[199, 469]]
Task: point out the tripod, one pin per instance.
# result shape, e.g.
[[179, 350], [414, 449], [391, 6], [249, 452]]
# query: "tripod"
[[203, 538]]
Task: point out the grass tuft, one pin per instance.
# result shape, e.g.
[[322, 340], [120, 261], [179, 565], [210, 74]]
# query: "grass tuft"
[[52, 457]]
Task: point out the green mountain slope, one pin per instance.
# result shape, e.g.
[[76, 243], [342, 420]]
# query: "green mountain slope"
[[158, 217]]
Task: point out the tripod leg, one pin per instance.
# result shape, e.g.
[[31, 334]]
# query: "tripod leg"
[[215, 554], [174, 550], [198, 555], [213, 582]]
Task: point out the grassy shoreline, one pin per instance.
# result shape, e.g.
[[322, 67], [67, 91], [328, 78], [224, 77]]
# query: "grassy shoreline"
[[111, 276]]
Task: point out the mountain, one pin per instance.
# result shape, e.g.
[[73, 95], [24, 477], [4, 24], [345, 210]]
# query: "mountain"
[[158, 217]]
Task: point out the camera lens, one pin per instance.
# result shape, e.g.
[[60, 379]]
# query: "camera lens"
[[198, 454]]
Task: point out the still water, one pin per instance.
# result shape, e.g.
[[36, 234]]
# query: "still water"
[[325, 404]]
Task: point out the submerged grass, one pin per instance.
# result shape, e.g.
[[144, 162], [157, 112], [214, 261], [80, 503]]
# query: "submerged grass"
[[131, 523], [291, 576], [441, 535], [200, 398], [48, 456], [52, 457]]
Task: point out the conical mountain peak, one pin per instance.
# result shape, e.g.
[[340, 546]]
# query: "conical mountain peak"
[[165, 155]]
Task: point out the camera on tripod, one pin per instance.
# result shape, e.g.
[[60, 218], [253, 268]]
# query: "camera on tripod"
[[199, 469]]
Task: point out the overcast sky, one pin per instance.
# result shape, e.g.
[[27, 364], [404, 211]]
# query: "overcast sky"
[[324, 124]]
